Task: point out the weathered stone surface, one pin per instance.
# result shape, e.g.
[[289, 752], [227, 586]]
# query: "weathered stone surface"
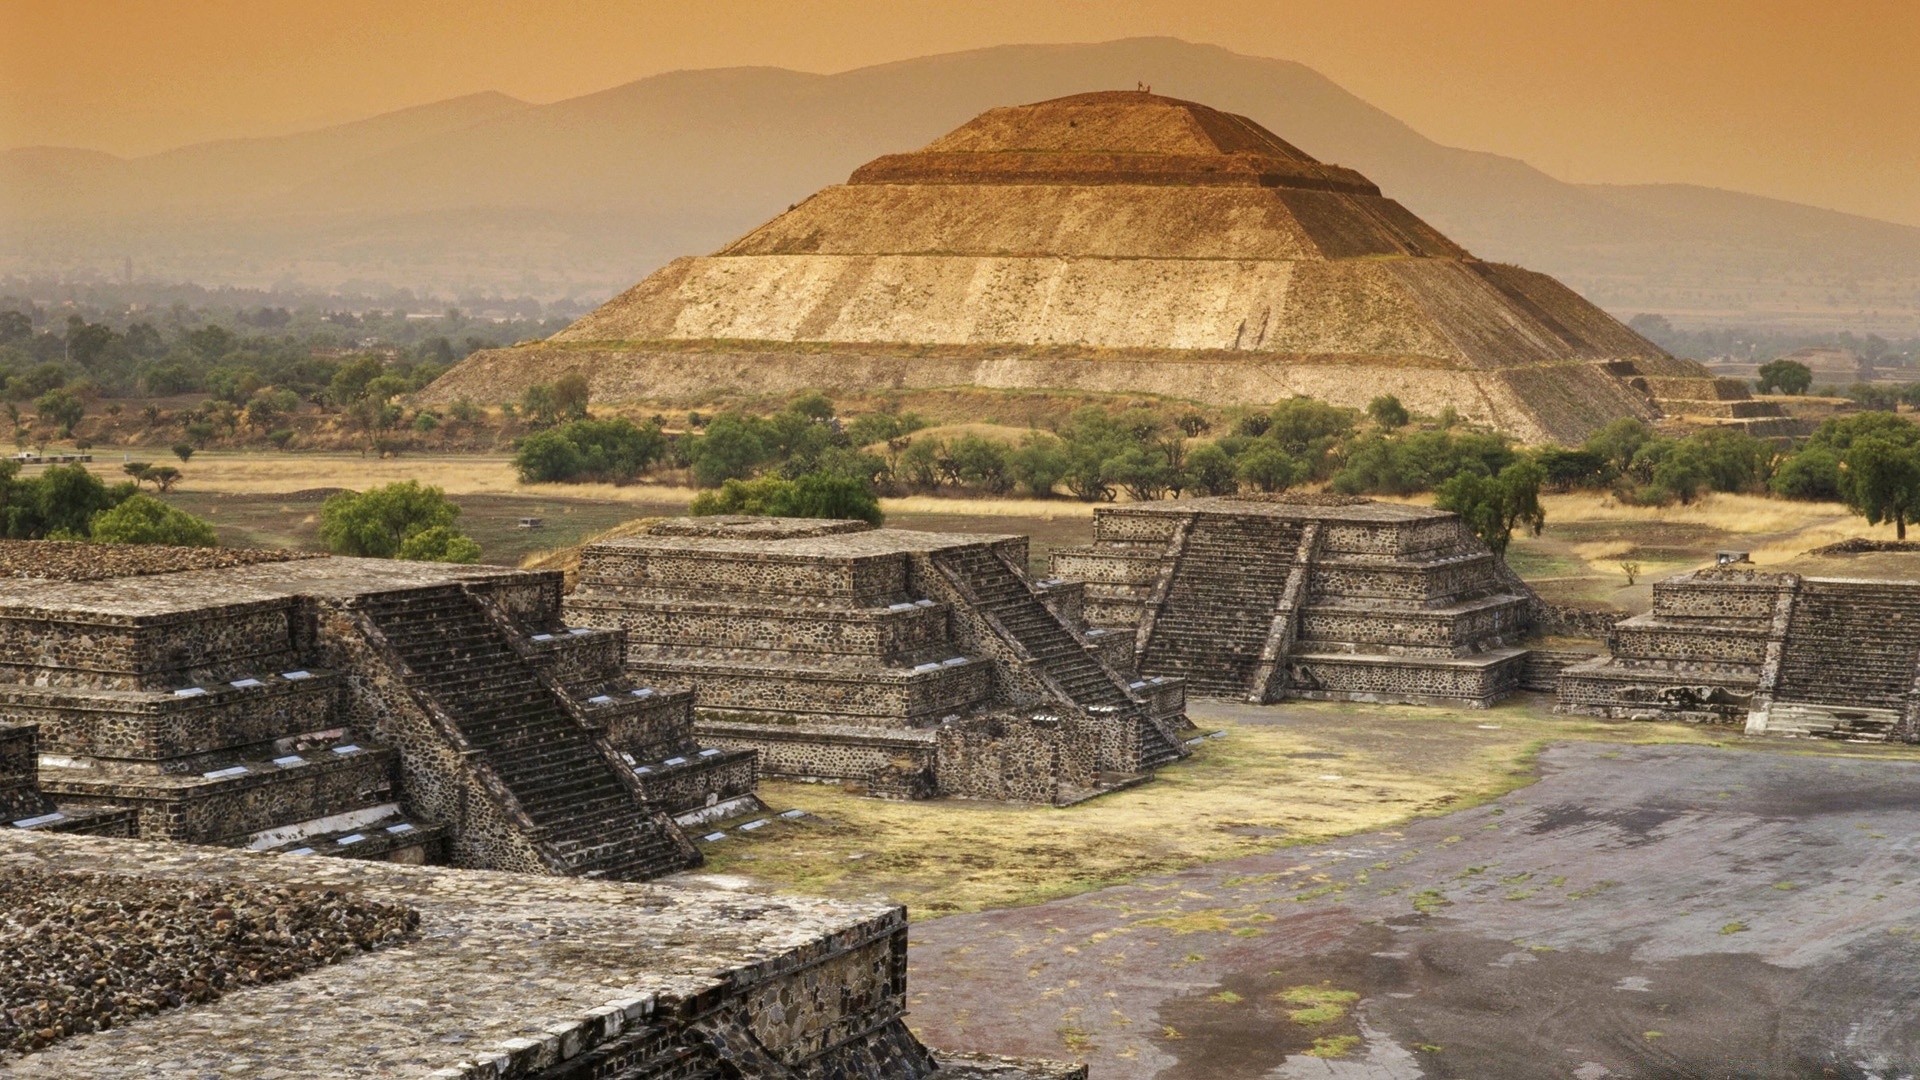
[[908, 663], [361, 707], [1781, 653], [507, 976], [1307, 596]]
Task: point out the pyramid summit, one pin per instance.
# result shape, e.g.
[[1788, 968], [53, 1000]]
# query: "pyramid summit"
[[1117, 242]]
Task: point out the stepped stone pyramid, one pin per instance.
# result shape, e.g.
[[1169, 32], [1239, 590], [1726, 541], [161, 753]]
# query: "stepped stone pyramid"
[[1117, 242], [1317, 597], [1786, 655], [358, 707], [912, 664]]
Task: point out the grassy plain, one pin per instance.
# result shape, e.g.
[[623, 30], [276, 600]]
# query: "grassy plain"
[[270, 498]]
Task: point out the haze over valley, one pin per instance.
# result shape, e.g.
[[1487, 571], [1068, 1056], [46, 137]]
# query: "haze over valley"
[[582, 197]]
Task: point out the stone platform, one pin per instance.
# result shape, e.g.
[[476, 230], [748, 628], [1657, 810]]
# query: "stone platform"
[[912, 664], [1314, 597], [400, 711], [1780, 653], [515, 976]]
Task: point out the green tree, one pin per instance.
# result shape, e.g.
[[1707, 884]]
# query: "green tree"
[[61, 408], [1268, 468], [571, 392], [59, 503], [731, 449], [1210, 471], [1785, 376], [349, 382], [1812, 474], [1619, 441], [614, 451], [1881, 481], [1493, 506], [378, 522], [981, 463], [1387, 411], [440, 543], [1039, 463], [143, 519]]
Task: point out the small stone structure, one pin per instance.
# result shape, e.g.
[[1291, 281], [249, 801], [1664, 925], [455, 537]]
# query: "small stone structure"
[[360, 707], [515, 977], [913, 664], [1785, 654], [1307, 597]]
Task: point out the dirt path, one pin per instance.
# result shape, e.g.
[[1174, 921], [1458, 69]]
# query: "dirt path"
[[1651, 911]]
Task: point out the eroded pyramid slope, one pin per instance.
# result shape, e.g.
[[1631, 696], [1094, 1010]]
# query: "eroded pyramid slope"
[[1116, 242]]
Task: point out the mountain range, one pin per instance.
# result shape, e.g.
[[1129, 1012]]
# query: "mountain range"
[[582, 197]]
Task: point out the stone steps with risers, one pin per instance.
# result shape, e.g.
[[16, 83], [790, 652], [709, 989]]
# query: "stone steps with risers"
[[1542, 672], [388, 835], [1852, 643], [1830, 722], [1220, 603], [1012, 601], [591, 822]]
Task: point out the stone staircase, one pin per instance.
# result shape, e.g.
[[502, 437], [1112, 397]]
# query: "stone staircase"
[[589, 821], [1851, 644], [1066, 660], [1219, 607]]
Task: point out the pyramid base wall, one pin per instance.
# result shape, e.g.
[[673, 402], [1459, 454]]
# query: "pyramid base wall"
[[1555, 403]]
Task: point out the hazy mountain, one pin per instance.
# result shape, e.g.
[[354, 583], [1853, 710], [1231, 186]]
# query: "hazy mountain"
[[589, 194]]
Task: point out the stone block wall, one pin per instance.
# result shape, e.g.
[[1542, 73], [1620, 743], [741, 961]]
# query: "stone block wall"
[[1232, 592], [19, 771], [837, 654], [148, 652], [167, 733]]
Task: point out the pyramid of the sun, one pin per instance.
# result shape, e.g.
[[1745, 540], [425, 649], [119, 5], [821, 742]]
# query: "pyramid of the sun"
[[1114, 242]]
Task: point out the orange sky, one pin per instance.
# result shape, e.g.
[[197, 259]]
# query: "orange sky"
[[1812, 100]]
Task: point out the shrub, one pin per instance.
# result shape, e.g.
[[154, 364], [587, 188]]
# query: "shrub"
[[604, 451], [815, 495], [379, 521], [1813, 475], [1387, 411], [440, 543], [1039, 463], [143, 519]]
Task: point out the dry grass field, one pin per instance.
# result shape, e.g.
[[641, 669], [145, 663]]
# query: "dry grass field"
[[262, 497]]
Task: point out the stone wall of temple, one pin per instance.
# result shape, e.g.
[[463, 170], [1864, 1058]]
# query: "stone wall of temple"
[[1315, 597], [906, 664], [1780, 653], [353, 707]]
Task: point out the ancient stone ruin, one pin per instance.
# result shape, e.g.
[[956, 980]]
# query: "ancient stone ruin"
[[1126, 243], [912, 664], [1308, 597], [472, 975], [1781, 653], [359, 707]]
